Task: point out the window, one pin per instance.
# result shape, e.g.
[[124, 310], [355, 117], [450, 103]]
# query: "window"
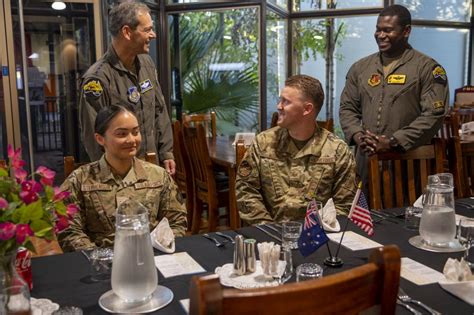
[[306, 5], [439, 10]]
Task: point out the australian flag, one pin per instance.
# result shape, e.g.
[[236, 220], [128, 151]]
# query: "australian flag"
[[312, 236]]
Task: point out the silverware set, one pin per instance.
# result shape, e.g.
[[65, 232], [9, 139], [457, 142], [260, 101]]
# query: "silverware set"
[[404, 299], [271, 231], [228, 239]]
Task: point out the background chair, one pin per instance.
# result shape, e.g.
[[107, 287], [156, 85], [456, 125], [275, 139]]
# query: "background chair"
[[203, 119], [240, 150], [208, 189], [357, 289], [184, 174], [326, 124], [464, 96], [398, 179]]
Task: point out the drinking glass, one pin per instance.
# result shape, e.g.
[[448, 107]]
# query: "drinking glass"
[[101, 263], [290, 233], [308, 271], [412, 218], [15, 300], [466, 237]]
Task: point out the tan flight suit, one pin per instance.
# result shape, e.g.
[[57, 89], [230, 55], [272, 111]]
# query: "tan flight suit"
[[275, 180], [408, 104], [96, 191], [108, 82]]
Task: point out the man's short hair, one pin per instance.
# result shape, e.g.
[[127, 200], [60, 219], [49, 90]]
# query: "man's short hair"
[[404, 16], [310, 87], [126, 13]]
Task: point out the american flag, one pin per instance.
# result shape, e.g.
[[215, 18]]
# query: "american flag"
[[360, 213], [312, 236]]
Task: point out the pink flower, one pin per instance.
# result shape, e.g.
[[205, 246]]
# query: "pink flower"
[[60, 195], [29, 191], [20, 174], [47, 175], [15, 157], [7, 230], [61, 224], [22, 231], [71, 210], [3, 203]]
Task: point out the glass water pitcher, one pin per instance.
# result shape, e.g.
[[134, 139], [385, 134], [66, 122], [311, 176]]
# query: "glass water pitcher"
[[438, 224], [134, 276]]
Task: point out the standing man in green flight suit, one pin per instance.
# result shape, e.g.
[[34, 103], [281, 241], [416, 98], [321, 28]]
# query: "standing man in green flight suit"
[[395, 99], [127, 74]]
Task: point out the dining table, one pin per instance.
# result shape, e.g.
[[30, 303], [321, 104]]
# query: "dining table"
[[65, 279]]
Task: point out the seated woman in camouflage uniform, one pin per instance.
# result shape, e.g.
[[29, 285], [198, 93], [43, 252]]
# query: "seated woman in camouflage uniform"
[[100, 186]]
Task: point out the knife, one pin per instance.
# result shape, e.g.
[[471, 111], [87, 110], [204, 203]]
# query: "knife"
[[268, 233], [271, 227]]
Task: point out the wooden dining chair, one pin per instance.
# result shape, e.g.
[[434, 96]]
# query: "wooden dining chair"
[[208, 120], [206, 188], [240, 150], [44, 247], [326, 124], [184, 173], [371, 286], [398, 179]]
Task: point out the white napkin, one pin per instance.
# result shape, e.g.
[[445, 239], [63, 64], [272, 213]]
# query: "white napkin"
[[162, 237], [419, 202], [459, 280], [328, 216], [467, 128], [246, 136], [269, 254]]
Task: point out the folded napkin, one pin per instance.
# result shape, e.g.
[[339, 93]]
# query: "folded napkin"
[[246, 136], [162, 237], [459, 280], [269, 254], [328, 216], [467, 128], [419, 202]]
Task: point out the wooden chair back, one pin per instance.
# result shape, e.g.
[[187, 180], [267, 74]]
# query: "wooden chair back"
[[70, 165], [44, 247], [464, 96], [204, 183], [326, 124], [208, 120], [358, 289], [184, 173], [3, 164], [240, 150], [398, 179]]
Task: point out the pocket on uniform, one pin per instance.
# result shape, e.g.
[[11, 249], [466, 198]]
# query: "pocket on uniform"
[[273, 183], [97, 218]]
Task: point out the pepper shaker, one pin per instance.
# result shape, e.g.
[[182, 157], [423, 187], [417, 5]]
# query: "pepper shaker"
[[250, 257], [239, 256]]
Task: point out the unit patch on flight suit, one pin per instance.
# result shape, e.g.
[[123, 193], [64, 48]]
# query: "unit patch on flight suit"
[[374, 79], [245, 169], [439, 75], [145, 86], [92, 88], [396, 79], [438, 104], [133, 94]]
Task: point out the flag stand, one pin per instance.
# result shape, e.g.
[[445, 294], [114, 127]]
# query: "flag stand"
[[334, 261]]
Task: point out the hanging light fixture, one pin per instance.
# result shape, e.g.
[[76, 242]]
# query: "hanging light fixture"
[[58, 5]]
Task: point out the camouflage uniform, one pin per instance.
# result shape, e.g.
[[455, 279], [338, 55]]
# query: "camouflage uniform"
[[275, 180], [409, 104], [96, 190], [109, 82]]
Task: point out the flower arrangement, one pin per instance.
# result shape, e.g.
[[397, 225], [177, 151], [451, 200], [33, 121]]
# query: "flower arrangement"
[[29, 207]]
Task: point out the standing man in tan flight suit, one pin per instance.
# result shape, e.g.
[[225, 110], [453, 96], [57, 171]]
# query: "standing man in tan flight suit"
[[288, 165], [395, 99], [126, 72]]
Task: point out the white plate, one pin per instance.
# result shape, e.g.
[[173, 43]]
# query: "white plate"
[[247, 281]]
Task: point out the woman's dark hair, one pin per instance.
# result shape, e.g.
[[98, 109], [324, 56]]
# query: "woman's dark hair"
[[106, 114]]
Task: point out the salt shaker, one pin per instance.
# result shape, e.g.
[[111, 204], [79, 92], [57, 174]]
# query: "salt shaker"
[[250, 257], [239, 256]]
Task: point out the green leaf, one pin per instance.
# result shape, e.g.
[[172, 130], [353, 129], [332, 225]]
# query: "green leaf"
[[49, 192], [60, 208], [3, 172], [31, 212], [29, 245], [40, 226]]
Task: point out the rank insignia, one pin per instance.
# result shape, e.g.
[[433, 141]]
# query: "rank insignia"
[[396, 79], [93, 88], [145, 86], [374, 79], [245, 169], [439, 75], [438, 104], [133, 94]]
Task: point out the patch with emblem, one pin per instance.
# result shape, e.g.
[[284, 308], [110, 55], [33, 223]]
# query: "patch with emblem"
[[93, 88], [396, 79], [439, 74], [145, 86], [133, 94], [438, 104], [245, 169], [374, 79]]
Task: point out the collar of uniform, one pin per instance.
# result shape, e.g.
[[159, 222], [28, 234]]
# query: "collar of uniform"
[[105, 173], [406, 56], [139, 170], [313, 147], [112, 57]]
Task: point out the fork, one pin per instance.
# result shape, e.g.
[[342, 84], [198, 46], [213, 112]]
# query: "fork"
[[405, 298], [408, 307], [226, 236], [218, 244]]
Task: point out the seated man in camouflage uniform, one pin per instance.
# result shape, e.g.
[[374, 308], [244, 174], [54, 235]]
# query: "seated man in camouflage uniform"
[[288, 165], [100, 186]]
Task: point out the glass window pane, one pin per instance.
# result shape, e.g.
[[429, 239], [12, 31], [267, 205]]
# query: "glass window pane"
[[277, 69], [280, 3], [214, 57], [306, 5], [440, 10], [452, 54]]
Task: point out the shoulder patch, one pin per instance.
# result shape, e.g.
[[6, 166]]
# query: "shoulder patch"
[[374, 79], [245, 169], [438, 104], [92, 88], [439, 74]]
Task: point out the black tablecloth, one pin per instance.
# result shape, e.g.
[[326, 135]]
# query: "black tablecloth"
[[65, 278]]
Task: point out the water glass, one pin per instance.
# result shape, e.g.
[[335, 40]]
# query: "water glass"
[[308, 271], [101, 263], [15, 300], [412, 218], [290, 233], [466, 236]]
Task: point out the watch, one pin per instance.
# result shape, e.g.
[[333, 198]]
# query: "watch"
[[393, 142]]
